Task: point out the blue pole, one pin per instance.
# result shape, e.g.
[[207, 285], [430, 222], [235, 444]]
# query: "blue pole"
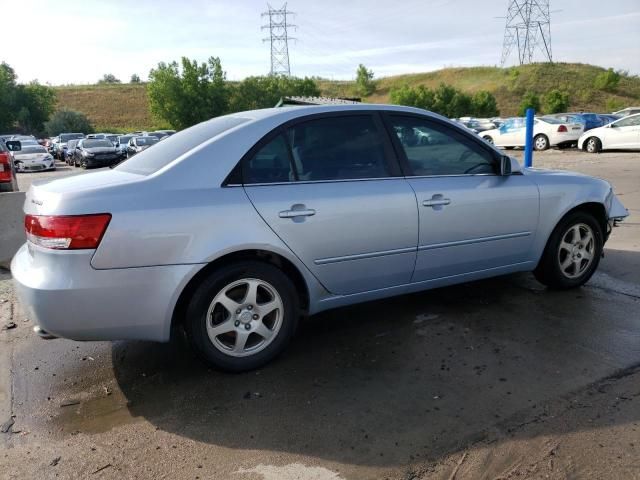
[[528, 145]]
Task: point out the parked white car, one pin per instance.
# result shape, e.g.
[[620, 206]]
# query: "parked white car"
[[547, 132], [627, 111], [33, 158], [623, 134]]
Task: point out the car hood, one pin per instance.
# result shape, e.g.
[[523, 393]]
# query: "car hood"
[[30, 156]]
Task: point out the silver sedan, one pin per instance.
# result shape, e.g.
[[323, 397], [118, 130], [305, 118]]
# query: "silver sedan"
[[235, 228]]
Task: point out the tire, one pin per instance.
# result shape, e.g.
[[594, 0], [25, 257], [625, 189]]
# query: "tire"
[[564, 263], [18, 166], [488, 139], [540, 142], [205, 312], [83, 164], [593, 145]]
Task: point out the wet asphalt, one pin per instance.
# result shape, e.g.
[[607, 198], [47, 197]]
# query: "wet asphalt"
[[368, 391]]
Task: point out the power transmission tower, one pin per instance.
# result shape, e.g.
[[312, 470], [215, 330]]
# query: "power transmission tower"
[[279, 39], [528, 29]]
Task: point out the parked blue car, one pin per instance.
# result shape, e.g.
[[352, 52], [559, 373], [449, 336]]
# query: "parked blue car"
[[589, 120]]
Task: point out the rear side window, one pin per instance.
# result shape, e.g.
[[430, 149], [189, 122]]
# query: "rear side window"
[[435, 149], [271, 164], [153, 159], [325, 149]]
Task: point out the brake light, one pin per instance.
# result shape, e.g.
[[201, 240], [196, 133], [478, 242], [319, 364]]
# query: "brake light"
[[563, 129], [70, 232], [6, 175]]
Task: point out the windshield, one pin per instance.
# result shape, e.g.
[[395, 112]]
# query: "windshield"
[[552, 120], [124, 139], [146, 140], [33, 149], [64, 137], [153, 159], [96, 143]]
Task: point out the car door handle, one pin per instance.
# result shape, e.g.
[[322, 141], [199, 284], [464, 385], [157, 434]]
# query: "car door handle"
[[309, 212], [435, 202]]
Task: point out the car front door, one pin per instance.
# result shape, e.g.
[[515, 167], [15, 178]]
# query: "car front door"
[[624, 133], [471, 218], [331, 189]]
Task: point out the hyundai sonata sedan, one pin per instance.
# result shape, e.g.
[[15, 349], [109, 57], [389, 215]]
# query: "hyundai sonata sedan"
[[235, 228]]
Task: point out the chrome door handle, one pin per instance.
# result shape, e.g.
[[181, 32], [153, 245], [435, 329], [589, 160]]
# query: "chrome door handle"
[[436, 202], [297, 213]]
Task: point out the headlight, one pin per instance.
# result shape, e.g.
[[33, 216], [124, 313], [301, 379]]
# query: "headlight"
[[87, 154]]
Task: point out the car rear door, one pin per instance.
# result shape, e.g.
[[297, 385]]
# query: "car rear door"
[[471, 218], [330, 188]]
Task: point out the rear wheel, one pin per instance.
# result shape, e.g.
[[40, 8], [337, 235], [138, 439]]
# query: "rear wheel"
[[540, 142], [593, 145], [572, 253], [242, 316]]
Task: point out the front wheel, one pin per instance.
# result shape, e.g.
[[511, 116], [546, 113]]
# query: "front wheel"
[[488, 139], [242, 316], [572, 253]]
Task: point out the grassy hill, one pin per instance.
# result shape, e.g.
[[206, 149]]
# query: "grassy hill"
[[125, 106]]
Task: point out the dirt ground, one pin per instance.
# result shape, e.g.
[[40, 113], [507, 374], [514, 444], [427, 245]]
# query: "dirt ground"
[[495, 379]]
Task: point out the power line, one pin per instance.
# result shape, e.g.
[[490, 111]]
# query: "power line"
[[279, 39], [528, 29]]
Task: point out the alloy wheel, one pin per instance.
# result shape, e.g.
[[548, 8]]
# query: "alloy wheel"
[[576, 251], [244, 317]]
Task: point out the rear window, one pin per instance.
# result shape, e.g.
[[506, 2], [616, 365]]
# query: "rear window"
[[153, 159]]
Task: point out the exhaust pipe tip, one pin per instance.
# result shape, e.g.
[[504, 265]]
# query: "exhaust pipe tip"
[[43, 333]]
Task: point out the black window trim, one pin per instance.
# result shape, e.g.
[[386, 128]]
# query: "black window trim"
[[236, 177], [402, 156]]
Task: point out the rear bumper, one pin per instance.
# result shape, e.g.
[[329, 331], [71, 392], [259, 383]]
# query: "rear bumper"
[[65, 297]]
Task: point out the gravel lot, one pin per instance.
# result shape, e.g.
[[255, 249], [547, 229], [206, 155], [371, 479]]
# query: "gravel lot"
[[493, 379]]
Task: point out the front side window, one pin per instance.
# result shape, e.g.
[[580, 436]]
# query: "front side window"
[[435, 149]]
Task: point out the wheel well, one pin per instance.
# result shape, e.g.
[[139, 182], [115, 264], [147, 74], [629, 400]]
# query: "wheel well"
[[258, 255], [595, 209]]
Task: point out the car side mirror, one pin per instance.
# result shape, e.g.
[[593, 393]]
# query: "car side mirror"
[[505, 166], [613, 125], [14, 145]]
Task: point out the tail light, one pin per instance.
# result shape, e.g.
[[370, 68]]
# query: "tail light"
[[70, 232], [6, 174], [562, 129]]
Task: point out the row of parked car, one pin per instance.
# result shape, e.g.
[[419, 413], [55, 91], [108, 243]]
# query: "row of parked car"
[[102, 149], [592, 132]]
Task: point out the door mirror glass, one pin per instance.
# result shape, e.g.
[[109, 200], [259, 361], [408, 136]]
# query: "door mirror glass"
[[505, 166]]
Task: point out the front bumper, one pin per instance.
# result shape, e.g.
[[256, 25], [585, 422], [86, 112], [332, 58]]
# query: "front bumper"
[[66, 297]]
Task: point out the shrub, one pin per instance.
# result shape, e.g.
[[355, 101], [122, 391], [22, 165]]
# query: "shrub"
[[607, 80], [364, 81], [67, 121], [556, 101], [530, 100]]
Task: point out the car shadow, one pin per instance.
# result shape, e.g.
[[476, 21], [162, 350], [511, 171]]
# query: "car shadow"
[[389, 382]]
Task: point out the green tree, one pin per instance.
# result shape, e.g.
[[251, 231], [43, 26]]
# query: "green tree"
[[135, 78], [35, 104], [530, 100], [419, 97], [189, 93], [7, 97], [483, 104], [607, 80], [365, 85], [67, 121], [108, 78], [264, 92], [443, 100], [556, 101]]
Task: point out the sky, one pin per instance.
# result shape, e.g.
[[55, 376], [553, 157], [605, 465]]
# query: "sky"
[[69, 41]]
